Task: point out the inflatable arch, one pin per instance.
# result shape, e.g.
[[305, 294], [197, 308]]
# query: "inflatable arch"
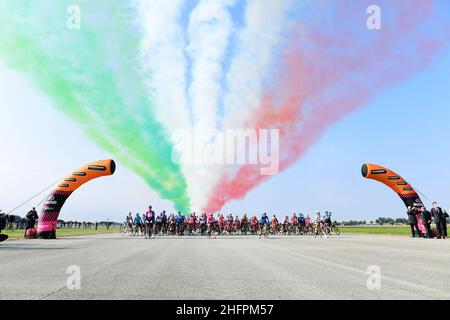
[[55, 201], [399, 185]]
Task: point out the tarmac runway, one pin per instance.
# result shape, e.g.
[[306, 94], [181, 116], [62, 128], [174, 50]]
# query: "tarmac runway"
[[238, 268]]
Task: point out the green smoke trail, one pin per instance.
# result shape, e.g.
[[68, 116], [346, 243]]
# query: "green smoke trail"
[[92, 75]]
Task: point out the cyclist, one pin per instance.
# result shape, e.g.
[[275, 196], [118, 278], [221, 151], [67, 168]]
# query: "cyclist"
[[318, 223], [203, 224], [274, 223], [327, 222], [150, 217], [210, 224], [180, 223], [137, 223], [264, 225], [237, 225], [150, 221], [301, 223], [129, 223], [327, 218], [185, 224], [285, 227], [158, 224], [192, 224], [254, 225], [172, 222], [308, 224], [164, 227], [229, 224], [144, 225], [221, 223], [333, 227], [294, 223], [244, 224]]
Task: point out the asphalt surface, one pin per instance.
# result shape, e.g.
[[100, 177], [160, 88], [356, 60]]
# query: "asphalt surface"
[[123, 267]]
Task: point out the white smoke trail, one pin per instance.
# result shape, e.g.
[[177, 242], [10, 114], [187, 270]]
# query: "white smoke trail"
[[164, 61], [210, 29], [263, 33]]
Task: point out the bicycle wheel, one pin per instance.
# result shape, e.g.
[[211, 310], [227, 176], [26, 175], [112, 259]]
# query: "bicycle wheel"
[[337, 232]]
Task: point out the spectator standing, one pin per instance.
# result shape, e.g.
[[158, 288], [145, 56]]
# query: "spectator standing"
[[32, 217], [444, 224], [439, 220], [3, 237], [412, 221], [426, 221]]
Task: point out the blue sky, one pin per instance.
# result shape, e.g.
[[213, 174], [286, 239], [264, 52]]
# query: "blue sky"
[[406, 128]]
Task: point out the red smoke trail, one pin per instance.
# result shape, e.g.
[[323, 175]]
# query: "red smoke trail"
[[328, 76]]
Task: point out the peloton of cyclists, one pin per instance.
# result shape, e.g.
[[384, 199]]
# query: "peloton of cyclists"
[[151, 225]]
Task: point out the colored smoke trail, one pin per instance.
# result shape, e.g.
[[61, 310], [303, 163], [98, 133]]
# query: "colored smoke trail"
[[325, 78], [92, 76]]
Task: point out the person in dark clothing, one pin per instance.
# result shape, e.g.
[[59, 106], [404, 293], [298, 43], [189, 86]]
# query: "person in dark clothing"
[[444, 223], [32, 217], [426, 221], [439, 220], [412, 221], [3, 220]]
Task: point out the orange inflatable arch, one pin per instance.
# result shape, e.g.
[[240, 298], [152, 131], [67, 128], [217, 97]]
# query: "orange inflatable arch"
[[49, 216], [399, 185], [391, 179]]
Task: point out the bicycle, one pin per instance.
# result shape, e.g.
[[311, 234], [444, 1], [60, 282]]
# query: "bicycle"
[[264, 230], [335, 230]]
